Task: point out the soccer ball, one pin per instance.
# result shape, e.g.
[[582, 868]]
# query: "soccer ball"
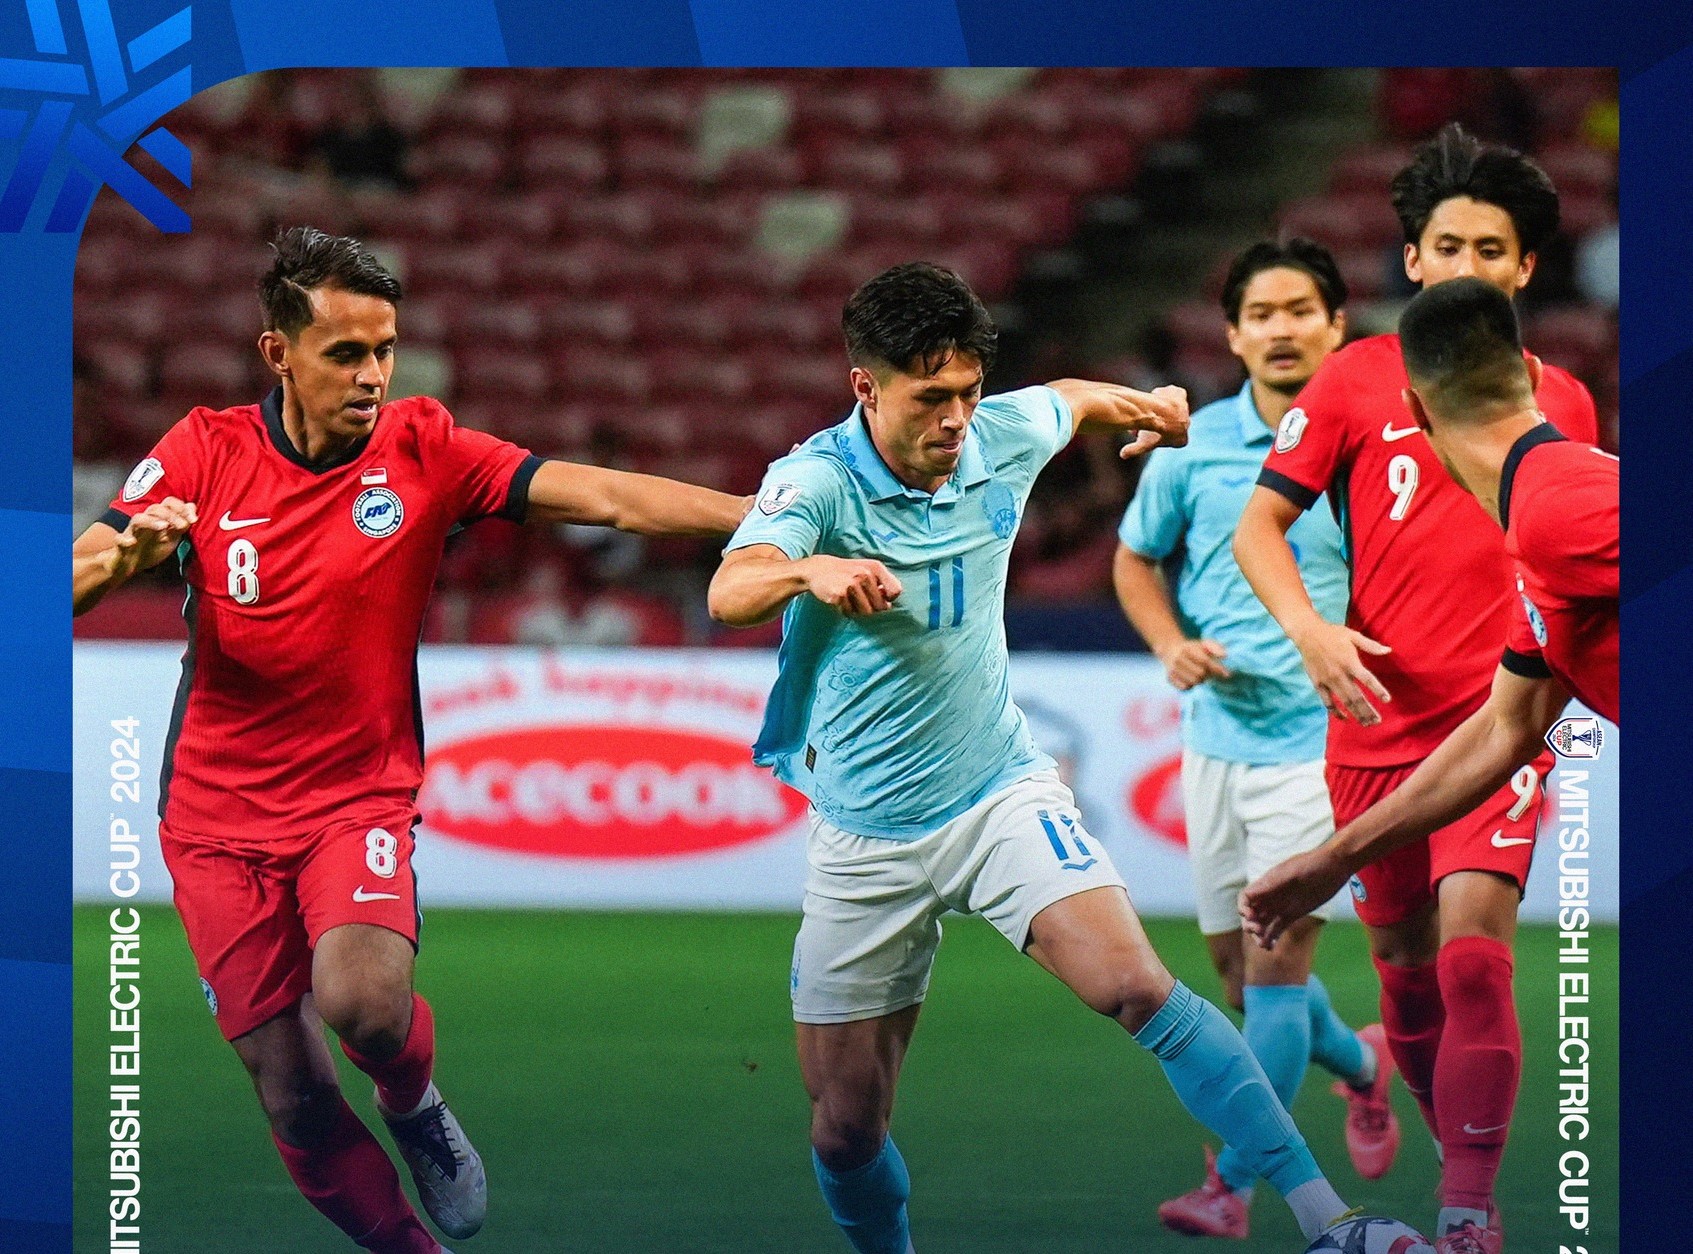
[[1370, 1234]]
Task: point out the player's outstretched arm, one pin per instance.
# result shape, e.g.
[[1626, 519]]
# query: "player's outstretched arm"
[[104, 558], [1470, 765], [1145, 598], [754, 584], [1329, 650], [569, 492], [1155, 417]]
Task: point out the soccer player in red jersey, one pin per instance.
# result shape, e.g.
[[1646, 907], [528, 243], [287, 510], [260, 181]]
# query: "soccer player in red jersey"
[[1430, 604], [310, 527], [1473, 394]]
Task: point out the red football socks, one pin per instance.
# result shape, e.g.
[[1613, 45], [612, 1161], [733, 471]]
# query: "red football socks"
[[1412, 1016], [404, 1078], [350, 1179], [1480, 1066]]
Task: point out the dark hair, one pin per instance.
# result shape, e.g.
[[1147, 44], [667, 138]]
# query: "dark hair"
[[1455, 163], [1463, 348], [1298, 253], [305, 258], [913, 318]]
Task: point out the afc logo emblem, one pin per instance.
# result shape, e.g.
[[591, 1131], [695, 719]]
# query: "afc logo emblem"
[[378, 513]]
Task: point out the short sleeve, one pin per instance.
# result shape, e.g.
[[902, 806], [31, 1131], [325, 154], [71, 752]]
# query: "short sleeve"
[[1030, 424], [1522, 651], [175, 467], [1311, 442], [1157, 517], [488, 477], [795, 508]]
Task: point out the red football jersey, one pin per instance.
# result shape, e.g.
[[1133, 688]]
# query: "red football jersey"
[[1559, 503], [306, 592], [1430, 577]]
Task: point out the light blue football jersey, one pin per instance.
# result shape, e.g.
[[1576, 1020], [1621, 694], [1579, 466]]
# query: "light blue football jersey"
[[1187, 505], [894, 723]]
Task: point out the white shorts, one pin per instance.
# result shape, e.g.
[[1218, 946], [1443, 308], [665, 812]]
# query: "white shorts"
[[873, 906], [1241, 821]]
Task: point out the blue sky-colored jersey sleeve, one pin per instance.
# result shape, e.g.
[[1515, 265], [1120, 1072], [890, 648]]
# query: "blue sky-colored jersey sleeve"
[[1030, 424], [796, 506], [1156, 519]]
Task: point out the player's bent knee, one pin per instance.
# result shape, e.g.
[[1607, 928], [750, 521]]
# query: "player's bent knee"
[[373, 1023], [1127, 994], [303, 1111], [844, 1144]]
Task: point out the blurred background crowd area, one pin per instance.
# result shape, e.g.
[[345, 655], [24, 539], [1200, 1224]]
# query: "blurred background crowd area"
[[645, 269]]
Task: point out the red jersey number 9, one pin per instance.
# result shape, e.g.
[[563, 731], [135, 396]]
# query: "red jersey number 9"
[[1402, 482]]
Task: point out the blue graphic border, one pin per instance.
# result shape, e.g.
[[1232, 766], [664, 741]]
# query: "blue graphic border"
[[81, 79]]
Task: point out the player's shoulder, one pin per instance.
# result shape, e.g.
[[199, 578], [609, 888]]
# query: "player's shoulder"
[[219, 430], [1369, 366], [1215, 423], [825, 460], [1559, 484], [418, 413], [1372, 355]]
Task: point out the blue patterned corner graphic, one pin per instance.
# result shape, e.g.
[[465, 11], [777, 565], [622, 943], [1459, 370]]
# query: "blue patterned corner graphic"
[[71, 117]]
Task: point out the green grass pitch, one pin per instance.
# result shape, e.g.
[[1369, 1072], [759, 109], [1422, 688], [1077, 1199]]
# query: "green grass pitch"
[[630, 1080]]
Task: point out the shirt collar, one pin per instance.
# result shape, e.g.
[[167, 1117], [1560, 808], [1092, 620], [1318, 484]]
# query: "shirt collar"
[[1541, 433], [1253, 428], [853, 442]]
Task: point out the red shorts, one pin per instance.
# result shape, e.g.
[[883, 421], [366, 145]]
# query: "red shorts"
[[253, 913], [1497, 836]]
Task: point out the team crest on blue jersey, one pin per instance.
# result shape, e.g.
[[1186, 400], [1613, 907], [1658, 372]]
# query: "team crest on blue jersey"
[[378, 513], [142, 479], [777, 497], [1359, 892], [1536, 623], [211, 997], [999, 503], [1291, 430]]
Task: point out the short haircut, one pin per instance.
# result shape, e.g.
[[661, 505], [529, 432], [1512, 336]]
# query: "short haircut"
[[1464, 351], [304, 258], [913, 318], [1455, 163], [1298, 253]]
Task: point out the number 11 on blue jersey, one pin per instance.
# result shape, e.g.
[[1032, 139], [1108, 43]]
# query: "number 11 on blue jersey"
[[936, 601]]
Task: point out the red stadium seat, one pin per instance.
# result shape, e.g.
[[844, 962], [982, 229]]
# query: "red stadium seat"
[[555, 160], [220, 375], [510, 378], [456, 270]]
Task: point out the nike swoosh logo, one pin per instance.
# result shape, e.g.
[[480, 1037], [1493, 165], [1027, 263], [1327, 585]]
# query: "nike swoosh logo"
[[359, 894], [1390, 433], [226, 523], [1473, 1131], [1502, 841]]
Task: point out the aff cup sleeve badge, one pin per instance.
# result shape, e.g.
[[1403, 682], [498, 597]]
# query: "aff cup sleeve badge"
[[1579, 736]]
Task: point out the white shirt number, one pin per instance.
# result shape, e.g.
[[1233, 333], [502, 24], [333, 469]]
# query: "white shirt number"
[[244, 572], [1402, 482]]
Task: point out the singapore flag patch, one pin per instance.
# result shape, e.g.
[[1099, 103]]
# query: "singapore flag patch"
[[777, 497]]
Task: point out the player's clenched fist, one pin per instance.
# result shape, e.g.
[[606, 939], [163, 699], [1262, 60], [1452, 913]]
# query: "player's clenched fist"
[[154, 533], [853, 586], [1339, 675]]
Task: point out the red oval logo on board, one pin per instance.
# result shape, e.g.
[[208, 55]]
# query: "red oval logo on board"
[[603, 792], [1156, 800]]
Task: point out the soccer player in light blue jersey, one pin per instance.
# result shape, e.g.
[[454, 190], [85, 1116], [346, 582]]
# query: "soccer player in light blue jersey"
[[884, 543], [1253, 727]]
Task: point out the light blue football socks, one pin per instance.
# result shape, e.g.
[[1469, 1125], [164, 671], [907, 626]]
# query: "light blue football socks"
[[1278, 1032], [1223, 1086], [1334, 1046], [868, 1202]]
